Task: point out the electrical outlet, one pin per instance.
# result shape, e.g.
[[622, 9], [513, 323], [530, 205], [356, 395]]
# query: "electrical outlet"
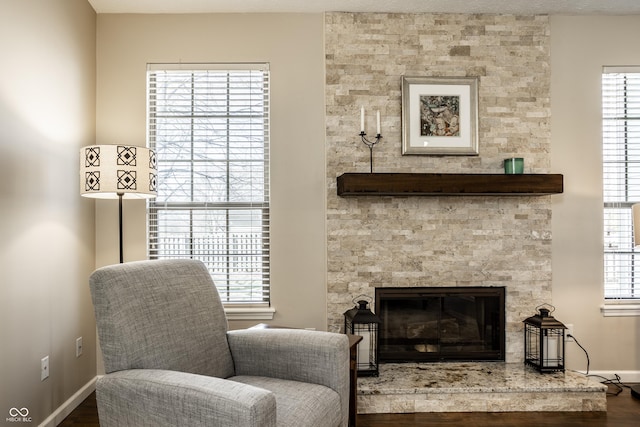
[[44, 368], [78, 346], [567, 332]]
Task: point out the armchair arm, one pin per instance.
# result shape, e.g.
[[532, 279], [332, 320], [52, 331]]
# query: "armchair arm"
[[294, 354], [150, 397]]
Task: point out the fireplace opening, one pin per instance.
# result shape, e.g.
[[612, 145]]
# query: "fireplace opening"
[[441, 324]]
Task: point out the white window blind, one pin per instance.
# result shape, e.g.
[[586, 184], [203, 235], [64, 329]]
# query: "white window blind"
[[621, 179], [209, 125]]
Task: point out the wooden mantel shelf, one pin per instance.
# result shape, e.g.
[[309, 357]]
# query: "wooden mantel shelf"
[[448, 184]]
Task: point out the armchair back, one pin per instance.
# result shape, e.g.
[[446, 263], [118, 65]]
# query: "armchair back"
[[161, 314]]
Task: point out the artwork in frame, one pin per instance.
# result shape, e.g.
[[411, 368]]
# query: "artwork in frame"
[[440, 116]]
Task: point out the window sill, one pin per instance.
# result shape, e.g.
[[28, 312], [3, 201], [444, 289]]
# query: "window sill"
[[249, 313], [620, 308]]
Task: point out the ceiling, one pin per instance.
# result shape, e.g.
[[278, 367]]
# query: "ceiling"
[[526, 7]]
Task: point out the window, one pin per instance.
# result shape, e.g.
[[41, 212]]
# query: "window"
[[621, 180], [209, 125]]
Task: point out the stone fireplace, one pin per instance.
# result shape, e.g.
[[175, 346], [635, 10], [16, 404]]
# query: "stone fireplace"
[[444, 241], [441, 324], [376, 242]]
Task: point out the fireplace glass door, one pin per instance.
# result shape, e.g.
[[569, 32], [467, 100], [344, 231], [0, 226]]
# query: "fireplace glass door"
[[441, 324]]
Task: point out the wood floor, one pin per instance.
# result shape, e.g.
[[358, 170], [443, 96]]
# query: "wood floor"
[[622, 411]]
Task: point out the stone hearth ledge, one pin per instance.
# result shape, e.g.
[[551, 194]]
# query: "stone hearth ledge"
[[476, 387]]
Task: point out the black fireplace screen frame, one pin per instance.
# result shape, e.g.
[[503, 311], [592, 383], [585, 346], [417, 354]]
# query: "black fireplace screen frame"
[[427, 339]]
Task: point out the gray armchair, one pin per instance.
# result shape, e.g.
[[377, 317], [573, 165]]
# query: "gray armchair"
[[170, 360]]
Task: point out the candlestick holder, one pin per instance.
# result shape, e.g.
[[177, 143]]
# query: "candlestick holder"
[[370, 144]]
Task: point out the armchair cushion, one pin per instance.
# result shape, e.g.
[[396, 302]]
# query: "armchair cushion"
[[317, 405]]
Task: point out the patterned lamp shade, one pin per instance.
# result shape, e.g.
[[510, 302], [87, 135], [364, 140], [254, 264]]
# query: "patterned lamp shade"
[[108, 171]]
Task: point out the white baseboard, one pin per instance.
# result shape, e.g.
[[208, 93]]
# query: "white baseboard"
[[72, 403], [625, 376]]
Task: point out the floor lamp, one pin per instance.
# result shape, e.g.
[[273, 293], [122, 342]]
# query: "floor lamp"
[[118, 172]]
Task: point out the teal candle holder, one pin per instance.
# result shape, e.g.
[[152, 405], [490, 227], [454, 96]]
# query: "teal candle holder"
[[514, 165]]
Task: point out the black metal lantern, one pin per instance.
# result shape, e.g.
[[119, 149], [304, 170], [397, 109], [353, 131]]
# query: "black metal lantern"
[[362, 321], [544, 342]]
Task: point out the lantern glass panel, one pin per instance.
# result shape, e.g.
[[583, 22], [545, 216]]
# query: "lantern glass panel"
[[366, 348], [553, 341]]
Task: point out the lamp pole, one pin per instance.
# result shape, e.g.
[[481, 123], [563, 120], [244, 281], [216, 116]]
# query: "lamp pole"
[[120, 225]]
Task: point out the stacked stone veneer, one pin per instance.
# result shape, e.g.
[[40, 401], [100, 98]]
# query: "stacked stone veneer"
[[438, 241]]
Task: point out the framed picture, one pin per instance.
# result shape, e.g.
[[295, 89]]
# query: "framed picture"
[[440, 116]]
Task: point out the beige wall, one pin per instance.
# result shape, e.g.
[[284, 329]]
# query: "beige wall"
[[47, 112], [293, 45], [580, 47]]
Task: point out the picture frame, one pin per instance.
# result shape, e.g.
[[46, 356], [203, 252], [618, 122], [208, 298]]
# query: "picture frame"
[[440, 116]]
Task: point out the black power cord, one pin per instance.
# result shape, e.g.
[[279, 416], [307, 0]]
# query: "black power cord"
[[635, 390], [583, 349]]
